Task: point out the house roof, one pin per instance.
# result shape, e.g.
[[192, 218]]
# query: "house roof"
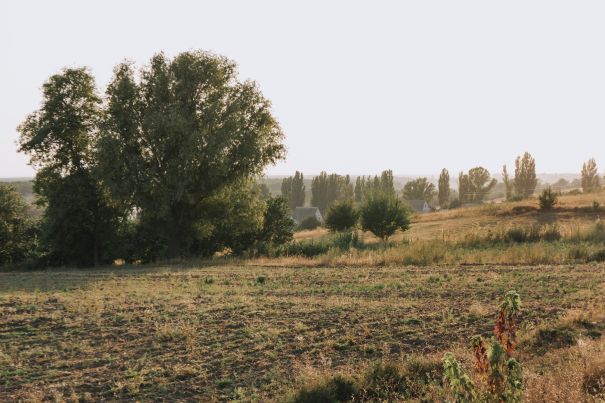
[[300, 213], [418, 205]]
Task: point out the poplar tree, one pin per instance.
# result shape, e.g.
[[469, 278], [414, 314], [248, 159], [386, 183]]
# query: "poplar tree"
[[444, 188], [508, 186], [590, 178], [525, 181]]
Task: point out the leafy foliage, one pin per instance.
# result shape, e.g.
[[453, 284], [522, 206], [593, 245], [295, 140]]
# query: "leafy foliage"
[[278, 225], [184, 131], [342, 216], [419, 189], [383, 216], [367, 186], [474, 186], [293, 189], [79, 223], [328, 189], [501, 374], [18, 231]]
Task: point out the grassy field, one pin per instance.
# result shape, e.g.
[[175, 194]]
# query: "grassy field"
[[246, 332], [261, 329]]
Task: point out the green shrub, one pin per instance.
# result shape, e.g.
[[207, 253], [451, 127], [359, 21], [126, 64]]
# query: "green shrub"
[[333, 390], [309, 223], [555, 337], [384, 381], [342, 216], [547, 199]]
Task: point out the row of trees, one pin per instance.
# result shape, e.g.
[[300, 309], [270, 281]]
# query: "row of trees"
[[162, 165], [327, 189]]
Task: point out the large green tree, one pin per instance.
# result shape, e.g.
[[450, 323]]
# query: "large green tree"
[[79, 222], [525, 181], [183, 131], [419, 189], [590, 178]]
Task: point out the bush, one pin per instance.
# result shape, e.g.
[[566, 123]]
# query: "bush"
[[547, 199], [342, 216], [309, 223], [455, 204], [320, 246], [501, 374], [557, 337], [18, 231], [334, 389], [383, 215]]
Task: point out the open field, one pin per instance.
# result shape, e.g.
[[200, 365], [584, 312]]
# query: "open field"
[[229, 332]]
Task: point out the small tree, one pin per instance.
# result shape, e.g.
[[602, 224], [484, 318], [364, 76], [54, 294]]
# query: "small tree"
[[278, 225], [342, 216], [383, 216], [590, 178], [444, 188], [547, 199]]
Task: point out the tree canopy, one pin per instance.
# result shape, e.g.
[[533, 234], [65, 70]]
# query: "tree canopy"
[[183, 131], [419, 189]]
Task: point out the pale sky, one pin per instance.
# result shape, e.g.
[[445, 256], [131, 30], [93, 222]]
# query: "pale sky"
[[358, 87]]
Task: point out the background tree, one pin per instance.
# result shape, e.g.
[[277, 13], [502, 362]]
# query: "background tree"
[[17, 227], [525, 175], [444, 188], [474, 186], [590, 178], [419, 189], [293, 189], [508, 186], [79, 222], [327, 189], [187, 129], [342, 216], [383, 216], [369, 186]]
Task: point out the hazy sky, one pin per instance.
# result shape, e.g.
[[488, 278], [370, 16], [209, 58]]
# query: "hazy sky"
[[358, 87]]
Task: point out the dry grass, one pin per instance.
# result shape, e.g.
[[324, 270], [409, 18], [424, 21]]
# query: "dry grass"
[[222, 333]]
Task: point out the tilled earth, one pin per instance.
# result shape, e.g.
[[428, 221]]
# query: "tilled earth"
[[245, 332]]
